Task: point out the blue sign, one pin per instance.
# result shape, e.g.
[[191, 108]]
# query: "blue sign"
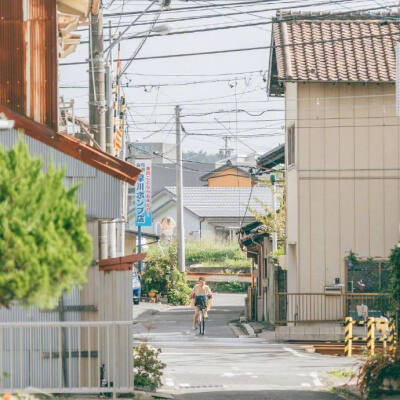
[[143, 210]]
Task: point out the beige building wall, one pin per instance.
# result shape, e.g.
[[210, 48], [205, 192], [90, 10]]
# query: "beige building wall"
[[344, 192], [229, 178]]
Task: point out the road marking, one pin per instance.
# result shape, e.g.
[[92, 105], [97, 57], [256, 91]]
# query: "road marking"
[[316, 380], [294, 352], [184, 385]]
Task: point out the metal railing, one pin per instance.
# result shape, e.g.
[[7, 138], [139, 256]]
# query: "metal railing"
[[327, 307], [66, 357]]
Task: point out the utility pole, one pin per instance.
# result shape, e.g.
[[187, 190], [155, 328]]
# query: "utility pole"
[[97, 104], [179, 194]]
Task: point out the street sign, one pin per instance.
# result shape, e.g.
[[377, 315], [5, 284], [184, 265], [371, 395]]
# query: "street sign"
[[143, 206]]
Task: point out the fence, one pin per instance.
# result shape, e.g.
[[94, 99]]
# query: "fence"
[[66, 357], [325, 307]]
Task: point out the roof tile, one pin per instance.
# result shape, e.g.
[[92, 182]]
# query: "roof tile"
[[346, 48]]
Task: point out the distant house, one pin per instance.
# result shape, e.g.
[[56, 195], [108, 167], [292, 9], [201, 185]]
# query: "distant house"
[[337, 73], [228, 175], [165, 175], [210, 212]]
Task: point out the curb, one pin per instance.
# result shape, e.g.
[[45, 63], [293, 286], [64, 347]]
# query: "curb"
[[236, 330], [249, 329]]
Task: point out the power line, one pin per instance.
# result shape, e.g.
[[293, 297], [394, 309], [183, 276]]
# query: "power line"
[[224, 51]]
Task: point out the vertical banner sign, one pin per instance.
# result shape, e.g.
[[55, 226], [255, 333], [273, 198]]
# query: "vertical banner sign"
[[398, 79], [143, 210]]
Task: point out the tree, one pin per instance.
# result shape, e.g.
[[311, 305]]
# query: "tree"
[[44, 245], [273, 221]]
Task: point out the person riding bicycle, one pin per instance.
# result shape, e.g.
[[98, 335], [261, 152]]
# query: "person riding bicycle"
[[201, 298]]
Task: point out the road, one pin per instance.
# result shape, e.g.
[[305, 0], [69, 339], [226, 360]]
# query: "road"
[[221, 366]]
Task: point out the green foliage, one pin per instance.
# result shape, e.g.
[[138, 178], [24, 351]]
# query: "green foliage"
[[273, 221], [395, 278], [211, 253], [374, 274], [148, 368], [44, 246], [230, 287], [374, 371], [162, 275]]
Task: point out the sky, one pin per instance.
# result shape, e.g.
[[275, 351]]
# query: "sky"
[[231, 98]]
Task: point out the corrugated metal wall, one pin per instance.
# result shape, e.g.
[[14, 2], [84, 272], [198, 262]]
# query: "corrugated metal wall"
[[100, 192], [28, 69]]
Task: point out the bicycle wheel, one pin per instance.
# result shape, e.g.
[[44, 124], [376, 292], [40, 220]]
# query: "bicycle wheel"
[[201, 322]]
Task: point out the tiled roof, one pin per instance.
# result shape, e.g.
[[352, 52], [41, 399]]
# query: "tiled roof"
[[323, 47], [223, 201], [74, 148]]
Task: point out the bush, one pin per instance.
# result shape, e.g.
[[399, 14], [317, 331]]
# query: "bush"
[[231, 287], [375, 371], [45, 248], [162, 275], [148, 368], [215, 253]]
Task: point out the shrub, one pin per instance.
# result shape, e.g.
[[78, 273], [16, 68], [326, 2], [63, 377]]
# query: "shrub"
[[375, 370], [215, 253], [148, 368], [44, 245], [162, 275], [231, 287]]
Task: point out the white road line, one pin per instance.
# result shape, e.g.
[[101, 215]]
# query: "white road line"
[[294, 352], [316, 380]]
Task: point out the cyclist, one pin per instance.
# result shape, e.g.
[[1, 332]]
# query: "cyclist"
[[201, 296]]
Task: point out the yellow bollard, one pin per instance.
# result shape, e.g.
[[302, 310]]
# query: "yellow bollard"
[[391, 341], [348, 337], [371, 335]]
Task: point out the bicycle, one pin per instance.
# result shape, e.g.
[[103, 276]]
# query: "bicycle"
[[201, 302], [202, 320]]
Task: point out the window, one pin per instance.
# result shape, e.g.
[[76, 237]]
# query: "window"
[[291, 146]]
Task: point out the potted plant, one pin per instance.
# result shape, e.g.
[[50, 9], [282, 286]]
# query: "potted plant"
[[152, 294]]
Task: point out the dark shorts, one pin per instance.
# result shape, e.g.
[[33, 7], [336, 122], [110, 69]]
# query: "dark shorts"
[[201, 301]]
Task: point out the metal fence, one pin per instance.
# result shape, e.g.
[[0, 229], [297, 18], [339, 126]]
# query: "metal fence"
[[66, 357], [325, 307]]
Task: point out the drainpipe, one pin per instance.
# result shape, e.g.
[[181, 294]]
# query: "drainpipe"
[[201, 221]]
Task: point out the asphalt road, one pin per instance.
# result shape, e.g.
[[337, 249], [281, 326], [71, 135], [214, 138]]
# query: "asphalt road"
[[221, 366]]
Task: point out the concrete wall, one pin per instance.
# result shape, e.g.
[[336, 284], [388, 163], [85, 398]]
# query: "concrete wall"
[[344, 192]]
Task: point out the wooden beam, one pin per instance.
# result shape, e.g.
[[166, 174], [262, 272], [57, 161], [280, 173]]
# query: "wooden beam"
[[118, 267], [132, 258]]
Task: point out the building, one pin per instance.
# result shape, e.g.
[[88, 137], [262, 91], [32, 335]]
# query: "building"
[[210, 212], [165, 175], [87, 339], [337, 76], [228, 175], [107, 294]]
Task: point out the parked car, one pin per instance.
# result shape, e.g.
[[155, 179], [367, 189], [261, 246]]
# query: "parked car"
[[136, 287]]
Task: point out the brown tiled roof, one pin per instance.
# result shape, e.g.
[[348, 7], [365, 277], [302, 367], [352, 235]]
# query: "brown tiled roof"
[[321, 47], [75, 148]]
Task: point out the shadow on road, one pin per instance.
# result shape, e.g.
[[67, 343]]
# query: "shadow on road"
[[260, 395]]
